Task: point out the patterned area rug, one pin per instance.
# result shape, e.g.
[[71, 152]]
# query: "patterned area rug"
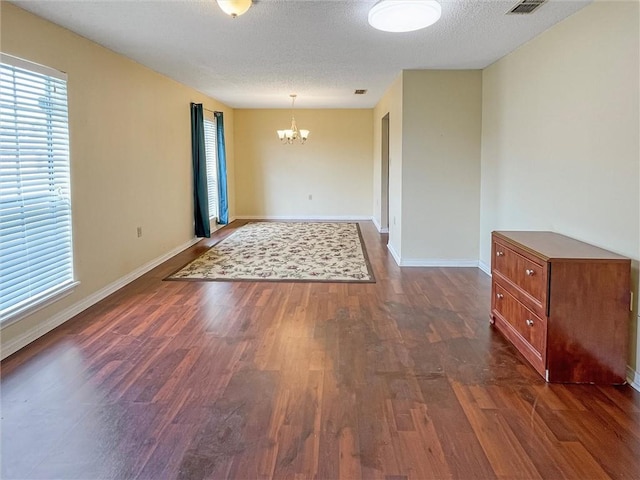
[[278, 251]]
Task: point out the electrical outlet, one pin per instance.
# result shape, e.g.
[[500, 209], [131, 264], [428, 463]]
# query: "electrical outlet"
[[139, 230], [310, 197]]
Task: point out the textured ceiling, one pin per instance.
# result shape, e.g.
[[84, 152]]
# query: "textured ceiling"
[[321, 50]]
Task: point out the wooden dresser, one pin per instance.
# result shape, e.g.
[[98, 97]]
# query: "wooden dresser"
[[563, 304]]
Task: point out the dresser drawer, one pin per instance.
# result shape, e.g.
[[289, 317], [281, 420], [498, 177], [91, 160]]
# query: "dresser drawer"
[[521, 271], [528, 325]]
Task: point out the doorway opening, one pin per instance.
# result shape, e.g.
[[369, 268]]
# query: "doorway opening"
[[384, 176]]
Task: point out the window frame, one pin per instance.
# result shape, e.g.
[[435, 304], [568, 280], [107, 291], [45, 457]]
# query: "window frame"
[[211, 158], [67, 282]]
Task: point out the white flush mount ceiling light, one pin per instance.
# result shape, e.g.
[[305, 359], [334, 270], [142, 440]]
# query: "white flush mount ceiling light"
[[291, 134], [234, 8], [404, 15]]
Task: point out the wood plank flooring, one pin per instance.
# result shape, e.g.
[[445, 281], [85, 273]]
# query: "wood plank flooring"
[[401, 379]]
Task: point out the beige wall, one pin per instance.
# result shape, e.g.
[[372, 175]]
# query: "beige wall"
[[442, 115], [334, 166], [434, 166], [391, 103], [130, 146], [560, 137]]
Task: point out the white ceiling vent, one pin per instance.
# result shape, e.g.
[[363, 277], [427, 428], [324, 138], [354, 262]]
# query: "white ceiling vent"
[[526, 6]]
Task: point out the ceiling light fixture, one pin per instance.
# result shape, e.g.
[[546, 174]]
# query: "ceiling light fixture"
[[290, 135], [234, 8], [404, 15]]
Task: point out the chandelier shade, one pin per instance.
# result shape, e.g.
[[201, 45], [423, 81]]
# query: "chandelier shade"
[[292, 134], [404, 15], [234, 8]]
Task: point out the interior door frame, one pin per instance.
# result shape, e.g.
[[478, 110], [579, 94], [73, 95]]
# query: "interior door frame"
[[384, 175]]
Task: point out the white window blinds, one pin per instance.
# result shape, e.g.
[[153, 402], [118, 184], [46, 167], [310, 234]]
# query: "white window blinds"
[[211, 152], [36, 261]]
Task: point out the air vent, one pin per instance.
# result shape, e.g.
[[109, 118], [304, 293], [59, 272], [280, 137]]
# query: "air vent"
[[360, 92], [526, 7]]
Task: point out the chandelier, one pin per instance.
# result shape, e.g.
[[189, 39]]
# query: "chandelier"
[[234, 7], [292, 134]]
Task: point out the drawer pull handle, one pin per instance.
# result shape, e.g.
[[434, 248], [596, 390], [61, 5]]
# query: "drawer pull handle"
[[499, 254], [499, 296], [529, 322], [529, 272]]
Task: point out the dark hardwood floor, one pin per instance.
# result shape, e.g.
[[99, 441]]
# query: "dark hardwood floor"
[[401, 379]]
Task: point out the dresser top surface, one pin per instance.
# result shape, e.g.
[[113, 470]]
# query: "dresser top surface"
[[553, 246]]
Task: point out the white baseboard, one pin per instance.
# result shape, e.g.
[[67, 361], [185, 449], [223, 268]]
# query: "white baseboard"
[[633, 378], [427, 262], [484, 267], [437, 262], [378, 226], [394, 254], [15, 344], [335, 218]]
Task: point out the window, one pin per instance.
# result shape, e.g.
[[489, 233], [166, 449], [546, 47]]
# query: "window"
[[211, 152], [36, 258]]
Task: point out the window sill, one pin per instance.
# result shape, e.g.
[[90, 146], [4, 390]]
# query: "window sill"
[[37, 303]]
